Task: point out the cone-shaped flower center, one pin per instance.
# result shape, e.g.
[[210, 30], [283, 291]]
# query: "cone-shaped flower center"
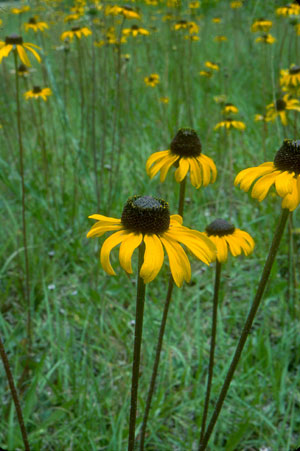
[[127, 8], [146, 214], [288, 156], [22, 68], [294, 70], [134, 27], [75, 28], [14, 40], [36, 90], [186, 143], [32, 20], [280, 105], [220, 227]]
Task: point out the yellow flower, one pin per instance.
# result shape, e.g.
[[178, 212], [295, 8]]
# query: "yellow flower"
[[290, 76], [291, 9], [205, 73], [236, 4], [152, 80], [164, 99], [151, 2], [147, 219], [126, 11], [220, 38], [135, 30], [230, 108], [216, 20], [261, 25], [284, 172], [280, 107], [192, 37], [71, 17], [225, 236], [185, 25], [230, 123], [194, 5], [266, 39], [259, 117], [22, 10], [211, 65], [37, 92], [75, 31], [15, 42], [185, 151], [34, 25]]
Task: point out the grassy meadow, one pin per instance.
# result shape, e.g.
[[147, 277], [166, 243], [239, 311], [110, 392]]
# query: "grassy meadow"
[[84, 151]]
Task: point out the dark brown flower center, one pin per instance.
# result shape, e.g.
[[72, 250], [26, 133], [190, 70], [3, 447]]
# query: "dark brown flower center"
[[14, 39], [288, 156], [22, 68], [146, 214], [220, 227], [280, 105], [75, 28], [36, 90], [32, 20], [294, 70], [134, 27], [186, 143]]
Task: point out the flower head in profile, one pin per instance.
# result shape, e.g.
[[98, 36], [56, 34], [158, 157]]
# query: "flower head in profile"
[[216, 20], [22, 10], [194, 5], [226, 237], [75, 31], [283, 172], [126, 11], [230, 108], [152, 80], [35, 25], [212, 65], [266, 39], [15, 42], [147, 219], [261, 25], [229, 124], [135, 31], [280, 108], [236, 4], [220, 38], [291, 76], [191, 26], [291, 9], [206, 73], [186, 151], [36, 92]]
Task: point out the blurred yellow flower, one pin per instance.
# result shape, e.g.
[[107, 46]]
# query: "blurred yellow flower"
[[24, 9], [220, 38], [35, 25], [15, 42], [290, 76], [266, 39], [236, 4], [75, 31], [291, 9], [261, 25], [187, 25], [230, 124], [212, 65], [152, 80], [126, 11], [194, 5], [164, 100], [280, 107], [216, 20], [134, 31], [36, 92], [206, 73]]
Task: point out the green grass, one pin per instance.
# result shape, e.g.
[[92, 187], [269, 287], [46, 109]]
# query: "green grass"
[[77, 393]]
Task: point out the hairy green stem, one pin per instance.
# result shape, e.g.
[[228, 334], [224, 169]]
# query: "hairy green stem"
[[247, 326], [140, 300], [212, 348], [14, 396]]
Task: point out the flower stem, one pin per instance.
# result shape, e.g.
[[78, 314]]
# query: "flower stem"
[[24, 231], [247, 326], [212, 348], [140, 300], [14, 396], [161, 332]]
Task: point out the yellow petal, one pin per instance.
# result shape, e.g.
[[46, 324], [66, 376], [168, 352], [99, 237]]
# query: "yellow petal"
[[221, 247], [283, 183], [207, 163], [155, 157], [127, 248], [105, 218], [165, 168], [195, 173], [176, 218], [100, 229], [107, 246], [182, 169], [292, 200], [23, 56], [34, 52], [159, 164], [246, 177], [197, 245], [153, 258], [262, 186], [179, 263], [234, 244]]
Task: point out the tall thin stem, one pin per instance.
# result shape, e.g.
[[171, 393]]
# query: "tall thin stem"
[[24, 231], [212, 348], [140, 300], [247, 326], [14, 395], [161, 332]]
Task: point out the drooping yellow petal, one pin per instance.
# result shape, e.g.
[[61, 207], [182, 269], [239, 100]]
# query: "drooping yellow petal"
[[262, 186], [234, 244], [221, 246], [195, 173], [197, 246], [182, 169], [246, 177], [176, 219], [283, 183], [247, 239], [34, 52], [100, 229], [208, 162], [159, 164], [178, 260], [165, 168], [107, 246], [23, 55], [127, 248], [292, 200], [5, 50], [153, 258], [156, 156]]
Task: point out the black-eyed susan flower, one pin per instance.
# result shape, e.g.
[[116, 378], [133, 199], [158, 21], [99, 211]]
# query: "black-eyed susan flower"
[[35, 25], [147, 219], [290, 76], [164, 100], [266, 39], [280, 108], [260, 118], [216, 20], [36, 92], [15, 42], [135, 30], [206, 73], [212, 65], [186, 151], [22, 10], [261, 25], [230, 124], [283, 172], [126, 11], [220, 38], [230, 108], [191, 26], [194, 5], [192, 37], [291, 9], [226, 237], [152, 80], [151, 2], [75, 31], [236, 4]]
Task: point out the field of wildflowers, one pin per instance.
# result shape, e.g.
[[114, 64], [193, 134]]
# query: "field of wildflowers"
[[173, 126]]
